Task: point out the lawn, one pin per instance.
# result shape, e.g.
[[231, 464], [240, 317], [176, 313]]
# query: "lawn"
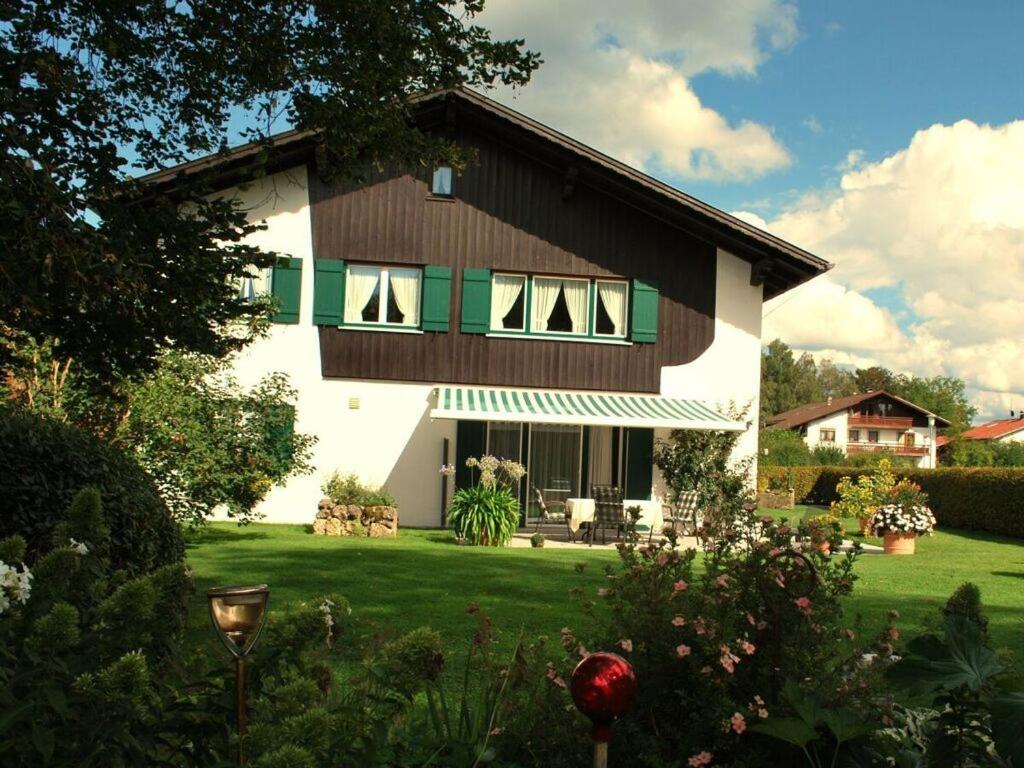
[[421, 578]]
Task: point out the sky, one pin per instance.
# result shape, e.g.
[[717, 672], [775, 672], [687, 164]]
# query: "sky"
[[886, 137]]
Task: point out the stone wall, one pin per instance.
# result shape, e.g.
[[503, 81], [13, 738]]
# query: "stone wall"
[[354, 520], [776, 499]]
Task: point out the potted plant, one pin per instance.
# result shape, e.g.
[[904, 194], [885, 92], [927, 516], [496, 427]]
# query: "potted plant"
[[487, 513], [905, 517], [825, 531], [537, 540], [861, 497]]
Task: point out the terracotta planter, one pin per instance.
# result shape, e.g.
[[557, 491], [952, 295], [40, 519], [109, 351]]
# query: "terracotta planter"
[[899, 543]]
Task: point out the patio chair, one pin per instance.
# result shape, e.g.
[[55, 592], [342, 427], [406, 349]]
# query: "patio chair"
[[685, 513], [552, 512], [608, 511]]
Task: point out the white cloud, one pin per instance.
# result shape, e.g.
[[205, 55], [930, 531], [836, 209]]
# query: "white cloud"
[[812, 124], [942, 223], [617, 76]]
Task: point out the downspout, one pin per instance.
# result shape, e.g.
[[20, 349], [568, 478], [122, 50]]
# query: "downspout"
[[932, 460]]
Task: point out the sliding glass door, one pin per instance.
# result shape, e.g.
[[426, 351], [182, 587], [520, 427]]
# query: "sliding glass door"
[[554, 463]]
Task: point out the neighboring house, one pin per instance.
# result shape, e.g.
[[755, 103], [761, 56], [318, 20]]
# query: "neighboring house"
[[868, 423], [999, 431], [547, 304]]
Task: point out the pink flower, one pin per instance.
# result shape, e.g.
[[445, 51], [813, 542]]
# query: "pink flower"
[[496, 731], [678, 621], [750, 619], [804, 604], [662, 559], [701, 758], [679, 586], [762, 713], [728, 659], [747, 647], [682, 651], [784, 529], [722, 581], [780, 580], [554, 677], [758, 707], [582, 651], [775, 551], [699, 627], [627, 645], [850, 634], [738, 722]]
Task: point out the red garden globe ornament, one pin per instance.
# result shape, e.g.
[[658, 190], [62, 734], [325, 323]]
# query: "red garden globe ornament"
[[603, 688]]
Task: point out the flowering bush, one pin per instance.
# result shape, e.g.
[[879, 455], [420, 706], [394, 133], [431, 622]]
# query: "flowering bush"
[[488, 512], [713, 646], [861, 497], [823, 530]]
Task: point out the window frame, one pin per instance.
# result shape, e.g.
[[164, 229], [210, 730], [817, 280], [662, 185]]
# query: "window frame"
[[827, 435], [875, 433], [440, 169], [590, 334], [384, 287], [853, 436]]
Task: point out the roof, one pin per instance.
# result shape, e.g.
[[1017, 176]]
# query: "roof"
[[993, 430], [803, 414], [777, 264], [541, 406]]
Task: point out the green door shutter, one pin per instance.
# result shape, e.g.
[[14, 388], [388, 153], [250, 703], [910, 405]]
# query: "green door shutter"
[[644, 323], [286, 288], [476, 300], [328, 291], [470, 440], [437, 298], [639, 462]]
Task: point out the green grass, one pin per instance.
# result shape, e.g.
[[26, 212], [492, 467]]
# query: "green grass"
[[421, 578]]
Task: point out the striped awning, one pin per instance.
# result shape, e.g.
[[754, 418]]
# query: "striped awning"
[[538, 406]]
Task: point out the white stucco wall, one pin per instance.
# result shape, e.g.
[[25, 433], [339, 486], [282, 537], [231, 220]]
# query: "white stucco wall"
[[838, 422], [729, 371], [387, 438], [1015, 437]]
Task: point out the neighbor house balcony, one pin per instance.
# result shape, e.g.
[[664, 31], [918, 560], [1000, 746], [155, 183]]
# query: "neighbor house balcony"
[[884, 422], [899, 448]]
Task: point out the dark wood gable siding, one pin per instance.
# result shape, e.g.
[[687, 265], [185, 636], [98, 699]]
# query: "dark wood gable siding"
[[510, 213]]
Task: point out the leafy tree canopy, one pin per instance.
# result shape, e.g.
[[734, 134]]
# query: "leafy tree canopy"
[[114, 271]]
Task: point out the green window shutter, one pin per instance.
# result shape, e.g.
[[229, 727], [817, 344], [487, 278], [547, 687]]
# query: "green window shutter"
[[639, 462], [437, 298], [286, 287], [328, 291], [644, 322], [476, 300], [470, 440]]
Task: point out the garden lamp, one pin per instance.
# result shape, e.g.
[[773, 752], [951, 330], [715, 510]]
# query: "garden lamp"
[[603, 688], [238, 615]]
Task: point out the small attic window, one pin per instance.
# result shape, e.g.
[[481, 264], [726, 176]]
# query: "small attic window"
[[442, 185]]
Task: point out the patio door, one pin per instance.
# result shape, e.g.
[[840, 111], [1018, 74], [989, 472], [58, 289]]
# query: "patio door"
[[554, 461]]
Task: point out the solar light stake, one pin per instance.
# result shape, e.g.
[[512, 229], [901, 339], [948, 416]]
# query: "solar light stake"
[[603, 688], [239, 614]]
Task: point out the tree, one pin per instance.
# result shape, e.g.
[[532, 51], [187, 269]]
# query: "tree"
[[834, 381], [943, 395], [112, 270], [874, 378], [786, 382], [781, 447]]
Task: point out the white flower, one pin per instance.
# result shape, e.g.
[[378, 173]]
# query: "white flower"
[[23, 588], [4, 602], [79, 546]]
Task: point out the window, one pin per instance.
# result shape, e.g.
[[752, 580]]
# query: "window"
[[543, 305], [442, 183], [610, 309], [827, 435], [559, 306], [508, 303], [854, 435], [872, 435], [255, 284], [382, 296]]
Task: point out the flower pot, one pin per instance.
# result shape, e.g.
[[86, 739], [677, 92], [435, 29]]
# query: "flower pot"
[[899, 543], [824, 547]]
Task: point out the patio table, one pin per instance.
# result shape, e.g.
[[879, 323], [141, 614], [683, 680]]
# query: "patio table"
[[582, 511]]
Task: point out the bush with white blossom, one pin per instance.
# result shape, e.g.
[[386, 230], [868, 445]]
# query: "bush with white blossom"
[[15, 585]]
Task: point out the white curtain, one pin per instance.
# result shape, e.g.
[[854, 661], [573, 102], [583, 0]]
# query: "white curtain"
[[576, 297], [405, 287], [545, 294], [359, 287], [613, 297], [505, 290], [600, 470]]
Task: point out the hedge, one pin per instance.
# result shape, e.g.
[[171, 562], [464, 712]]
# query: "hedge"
[[45, 463], [974, 498]]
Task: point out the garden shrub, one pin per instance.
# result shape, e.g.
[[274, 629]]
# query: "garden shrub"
[[349, 489], [978, 499], [47, 462], [487, 512]]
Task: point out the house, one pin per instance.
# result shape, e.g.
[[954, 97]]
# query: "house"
[[999, 431], [867, 423], [546, 304]]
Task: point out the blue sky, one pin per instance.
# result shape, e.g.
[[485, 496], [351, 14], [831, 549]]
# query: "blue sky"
[[868, 75]]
